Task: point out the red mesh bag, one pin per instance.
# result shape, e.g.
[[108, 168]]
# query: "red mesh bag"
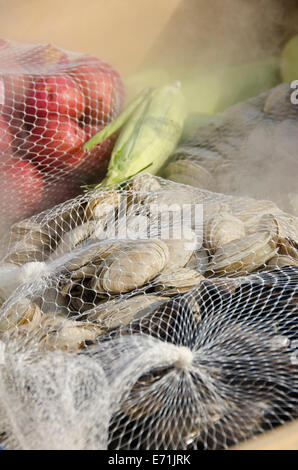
[[51, 102]]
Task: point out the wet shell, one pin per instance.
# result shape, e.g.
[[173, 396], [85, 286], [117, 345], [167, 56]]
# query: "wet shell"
[[222, 229], [102, 204], [131, 266], [171, 282], [115, 313], [24, 316], [190, 173], [243, 256]]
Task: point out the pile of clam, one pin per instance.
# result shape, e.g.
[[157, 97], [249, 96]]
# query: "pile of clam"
[[114, 256]]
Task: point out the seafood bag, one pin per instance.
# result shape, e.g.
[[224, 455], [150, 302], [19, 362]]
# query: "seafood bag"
[[180, 303]]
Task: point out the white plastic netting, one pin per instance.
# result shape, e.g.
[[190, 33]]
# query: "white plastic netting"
[[178, 304], [51, 102]]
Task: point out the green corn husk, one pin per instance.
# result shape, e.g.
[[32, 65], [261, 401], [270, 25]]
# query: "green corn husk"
[[115, 125], [149, 136]]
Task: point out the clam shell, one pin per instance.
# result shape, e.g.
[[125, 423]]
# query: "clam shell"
[[67, 335], [131, 266], [73, 238], [66, 217], [132, 227], [284, 225], [285, 228], [3, 297], [30, 241], [102, 204], [222, 229], [26, 228], [282, 260], [170, 198], [214, 208], [198, 261], [288, 248], [89, 256], [177, 281], [254, 212], [190, 173], [23, 316], [181, 250], [243, 256], [115, 313], [143, 183]]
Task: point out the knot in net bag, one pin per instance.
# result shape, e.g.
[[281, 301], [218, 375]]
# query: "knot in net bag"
[[52, 401], [185, 299]]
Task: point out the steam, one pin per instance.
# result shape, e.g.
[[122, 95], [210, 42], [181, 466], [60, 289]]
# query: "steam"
[[222, 52], [225, 53]]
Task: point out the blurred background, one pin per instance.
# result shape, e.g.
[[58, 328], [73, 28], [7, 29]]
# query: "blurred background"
[[120, 32], [195, 41]]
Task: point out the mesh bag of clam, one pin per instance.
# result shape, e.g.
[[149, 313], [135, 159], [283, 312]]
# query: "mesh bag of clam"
[[151, 316], [250, 149], [51, 102]]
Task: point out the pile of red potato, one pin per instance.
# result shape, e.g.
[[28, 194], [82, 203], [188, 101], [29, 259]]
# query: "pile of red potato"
[[50, 105]]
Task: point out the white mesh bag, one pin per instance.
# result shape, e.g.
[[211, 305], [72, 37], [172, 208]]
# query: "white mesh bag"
[[186, 300], [55, 401]]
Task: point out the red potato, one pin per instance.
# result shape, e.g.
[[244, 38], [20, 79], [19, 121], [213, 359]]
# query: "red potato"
[[5, 139], [54, 94], [21, 187], [55, 143], [15, 85], [103, 91]]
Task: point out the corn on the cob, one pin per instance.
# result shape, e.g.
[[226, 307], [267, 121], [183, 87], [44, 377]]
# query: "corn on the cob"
[[150, 135], [120, 120]]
